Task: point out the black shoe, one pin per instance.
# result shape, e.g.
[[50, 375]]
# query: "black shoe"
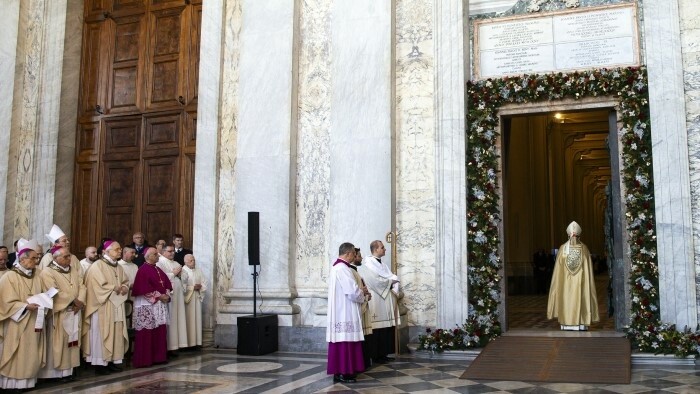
[[172, 353], [102, 370], [114, 367], [339, 378]]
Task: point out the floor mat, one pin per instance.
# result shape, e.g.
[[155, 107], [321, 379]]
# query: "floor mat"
[[547, 359]]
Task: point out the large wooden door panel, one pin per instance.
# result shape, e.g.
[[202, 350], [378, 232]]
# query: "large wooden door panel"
[[164, 86], [121, 7], [195, 36], [84, 224], [88, 141], [162, 134], [121, 189], [136, 136], [127, 36], [160, 195], [122, 138], [90, 68]]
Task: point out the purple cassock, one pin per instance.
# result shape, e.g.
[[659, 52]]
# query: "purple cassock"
[[150, 316]]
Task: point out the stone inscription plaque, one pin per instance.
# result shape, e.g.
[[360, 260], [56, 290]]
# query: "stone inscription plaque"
[[566, 41]]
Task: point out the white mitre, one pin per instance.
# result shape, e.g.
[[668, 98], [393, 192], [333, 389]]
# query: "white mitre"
[[55, 234]]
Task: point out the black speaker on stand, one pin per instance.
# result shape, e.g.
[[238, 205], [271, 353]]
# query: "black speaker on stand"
[[257, 334]]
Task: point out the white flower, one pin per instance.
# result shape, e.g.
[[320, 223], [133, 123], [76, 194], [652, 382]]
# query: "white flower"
[[634, 146], [478, 193], [480, 238]]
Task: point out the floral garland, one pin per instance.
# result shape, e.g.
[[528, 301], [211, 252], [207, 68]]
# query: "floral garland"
[[485, 97]]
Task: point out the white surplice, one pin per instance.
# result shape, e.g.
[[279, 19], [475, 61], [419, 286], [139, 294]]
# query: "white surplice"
[[345, 297], [383, 285], [177, 327], [193, 305]]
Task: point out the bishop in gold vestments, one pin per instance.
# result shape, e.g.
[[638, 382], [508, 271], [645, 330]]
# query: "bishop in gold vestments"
[[22, 342], [64, 321], [105, 338], [572, 297]]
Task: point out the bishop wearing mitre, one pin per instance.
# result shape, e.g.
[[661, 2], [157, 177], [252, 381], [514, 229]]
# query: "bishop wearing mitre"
[[63, 323], [21, 334], [58, 239], [572, 298]]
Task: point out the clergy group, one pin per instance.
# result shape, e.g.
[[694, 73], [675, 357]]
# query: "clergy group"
[[135, 301]]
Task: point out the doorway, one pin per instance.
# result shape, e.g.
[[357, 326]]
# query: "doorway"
[[556, 169]]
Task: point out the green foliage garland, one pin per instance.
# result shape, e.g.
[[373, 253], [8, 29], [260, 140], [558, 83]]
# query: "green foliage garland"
[[484, 98]]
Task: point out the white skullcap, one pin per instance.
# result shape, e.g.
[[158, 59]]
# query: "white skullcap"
[[55, 234], [573, 227]]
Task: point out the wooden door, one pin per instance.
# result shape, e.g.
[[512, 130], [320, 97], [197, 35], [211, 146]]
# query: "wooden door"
[[136, 137]]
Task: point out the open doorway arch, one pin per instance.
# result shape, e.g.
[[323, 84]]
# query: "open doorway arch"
[[556, 167]]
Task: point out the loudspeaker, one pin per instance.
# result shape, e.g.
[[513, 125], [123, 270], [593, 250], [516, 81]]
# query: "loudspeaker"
[[257, 334], [253, 238]]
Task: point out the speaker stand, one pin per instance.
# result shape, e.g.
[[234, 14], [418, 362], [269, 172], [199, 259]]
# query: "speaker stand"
[[255, 290]]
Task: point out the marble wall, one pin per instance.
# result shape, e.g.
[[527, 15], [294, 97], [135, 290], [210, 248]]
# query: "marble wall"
[[415, 158], [9, 28], [217, 74], [44, 109], [360, 123], [313, 161], [674, 224], [263, 167], [690, 45]]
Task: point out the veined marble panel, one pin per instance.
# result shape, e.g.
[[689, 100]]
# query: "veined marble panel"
[[672, 184], [67, 126], [228, 135], [360, 136], [690, 46], [211, 96], [33, 19], [450, 125], [313, 155], [51, 74], [415, 161], [265, 138], [9, 26]]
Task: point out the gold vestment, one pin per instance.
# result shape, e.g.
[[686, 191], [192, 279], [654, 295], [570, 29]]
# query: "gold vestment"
[[572, 296]]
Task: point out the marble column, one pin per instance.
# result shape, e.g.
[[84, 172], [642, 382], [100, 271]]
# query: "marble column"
[[416, 202], [37, 115], [361, 124], [451, 73], [212, 72], [264, 168], [671, 164], [313, 161], [9, 26], [690, 31]]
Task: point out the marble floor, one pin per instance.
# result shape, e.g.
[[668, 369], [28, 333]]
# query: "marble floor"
[[223, 371]]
